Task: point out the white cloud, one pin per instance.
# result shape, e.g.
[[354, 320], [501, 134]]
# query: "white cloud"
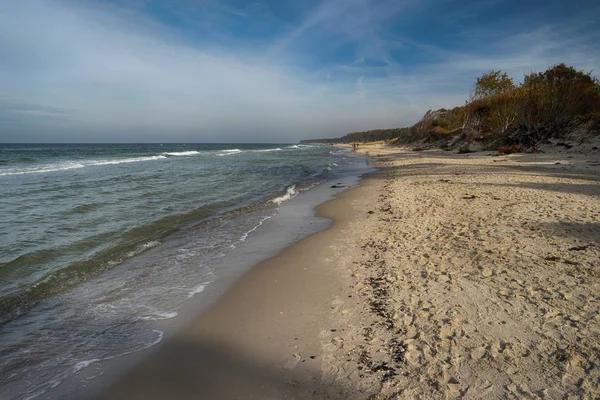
[[118, 70], [40, 113]]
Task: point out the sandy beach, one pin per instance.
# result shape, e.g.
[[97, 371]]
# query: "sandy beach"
[[443, 276]]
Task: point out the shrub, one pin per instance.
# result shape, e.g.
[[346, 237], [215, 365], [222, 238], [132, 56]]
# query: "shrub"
[[492, 84], [510, 149], [465, 150], [552, 99]]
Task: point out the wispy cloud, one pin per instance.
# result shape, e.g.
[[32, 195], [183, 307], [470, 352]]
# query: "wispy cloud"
[[337, 66], [16, 106]]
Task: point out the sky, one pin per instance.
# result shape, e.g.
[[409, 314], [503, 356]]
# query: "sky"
[[265, 70]]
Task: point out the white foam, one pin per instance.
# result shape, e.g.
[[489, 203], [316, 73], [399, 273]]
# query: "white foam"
[[182, 153], [289, 193], [159, 315], [229, 152], [143, 248], [245, 235], [125, 160], [312, 185], [267, 150], [75, 165], [161, 335], [84, 364], [339, 151], [197, 289], [42, 169]]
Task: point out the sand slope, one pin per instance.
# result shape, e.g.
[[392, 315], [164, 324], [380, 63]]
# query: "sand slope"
[[479, 277]]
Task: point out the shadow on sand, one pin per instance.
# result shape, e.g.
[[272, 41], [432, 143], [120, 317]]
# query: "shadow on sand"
[[190, 368]]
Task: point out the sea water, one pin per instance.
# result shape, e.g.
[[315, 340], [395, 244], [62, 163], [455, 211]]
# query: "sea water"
[[98, 242]]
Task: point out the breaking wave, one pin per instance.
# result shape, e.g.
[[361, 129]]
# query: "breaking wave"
[[182, 153], [289, 194], [75, 165]]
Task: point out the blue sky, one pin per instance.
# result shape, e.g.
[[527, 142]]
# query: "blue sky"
[[264, 70]]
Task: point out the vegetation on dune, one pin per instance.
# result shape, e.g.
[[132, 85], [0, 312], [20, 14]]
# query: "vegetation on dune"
[[548, 104], [374, 135]]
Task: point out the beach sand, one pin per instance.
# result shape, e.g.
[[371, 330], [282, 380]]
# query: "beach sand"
[[443, 276]]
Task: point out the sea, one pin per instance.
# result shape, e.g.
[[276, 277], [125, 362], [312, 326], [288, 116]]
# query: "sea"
[[103, 246]]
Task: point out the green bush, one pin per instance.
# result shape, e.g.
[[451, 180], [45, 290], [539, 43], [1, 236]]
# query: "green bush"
[[551, 100]]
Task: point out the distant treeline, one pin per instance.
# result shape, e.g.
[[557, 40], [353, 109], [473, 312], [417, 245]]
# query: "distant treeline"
[[374, 135], [330, 140], [499, 112]]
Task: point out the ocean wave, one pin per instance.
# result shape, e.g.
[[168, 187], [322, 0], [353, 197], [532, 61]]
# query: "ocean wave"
[[289, 194], [75, 165], [181, 153], [312, 185], [124, 160], [82, 208], [84, 364], [338, 152], [43, 169], [158, 315], [198, 289], [228, 152], [51, 385], [266, 150], [14, 305], [142, 248], [245, 235]]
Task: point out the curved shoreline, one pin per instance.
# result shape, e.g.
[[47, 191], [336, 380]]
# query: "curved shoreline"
[[442, 276], [263, 333]]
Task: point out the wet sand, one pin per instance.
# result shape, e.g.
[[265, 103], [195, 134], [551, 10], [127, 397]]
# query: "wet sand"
[[443, 276], [263, 338]]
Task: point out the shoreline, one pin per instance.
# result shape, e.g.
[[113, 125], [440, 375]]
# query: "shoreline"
[[442, 276], [294, 220], [262, 338]]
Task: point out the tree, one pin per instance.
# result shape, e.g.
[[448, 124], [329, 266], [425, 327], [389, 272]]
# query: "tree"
[[553, 98], [490, 101], [505, 109], [492, 83]]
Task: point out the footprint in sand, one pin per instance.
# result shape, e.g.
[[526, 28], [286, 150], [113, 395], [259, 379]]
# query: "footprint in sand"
[[292, 361], [479, 352]]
